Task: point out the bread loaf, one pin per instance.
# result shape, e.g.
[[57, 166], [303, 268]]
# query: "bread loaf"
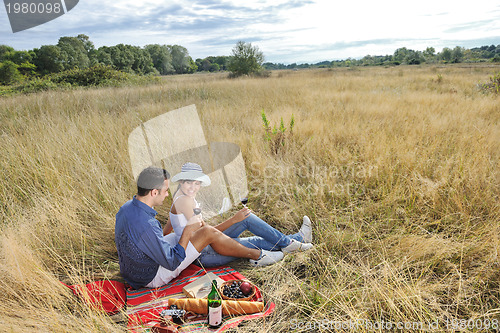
[[199, 306]]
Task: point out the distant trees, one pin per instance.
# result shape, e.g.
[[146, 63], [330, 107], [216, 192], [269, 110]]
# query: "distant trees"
[[405, 56], [15, 65], [246, 59], [213, 64], [73, 53], [457, 55], [429, 54], [152, 59], [89, 47], [48, 59], [126, 58], [445, 55], [80, 53], [9, 74], [161, 58], [5, 51], [181, 61]]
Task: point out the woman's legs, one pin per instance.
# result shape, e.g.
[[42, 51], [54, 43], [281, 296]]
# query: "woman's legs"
[[210, 258], [267, 238], [221, 243], [225, 246]]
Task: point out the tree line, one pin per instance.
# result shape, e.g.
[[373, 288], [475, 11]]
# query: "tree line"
[[79, 52], [405, 56]]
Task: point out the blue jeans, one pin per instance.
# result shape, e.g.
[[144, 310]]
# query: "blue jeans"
[[266, 238]]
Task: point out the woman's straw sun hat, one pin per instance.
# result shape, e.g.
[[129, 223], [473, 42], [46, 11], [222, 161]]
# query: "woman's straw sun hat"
[[192, 171]]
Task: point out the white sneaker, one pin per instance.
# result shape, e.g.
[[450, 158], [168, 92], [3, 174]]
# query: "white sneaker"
[[295, 246], [267, 258], [306, 230]]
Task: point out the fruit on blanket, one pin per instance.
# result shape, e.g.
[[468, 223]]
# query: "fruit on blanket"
[[238, 290], [246, 288]]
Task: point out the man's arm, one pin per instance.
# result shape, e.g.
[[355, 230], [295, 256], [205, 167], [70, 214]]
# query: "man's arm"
[[155, 247]]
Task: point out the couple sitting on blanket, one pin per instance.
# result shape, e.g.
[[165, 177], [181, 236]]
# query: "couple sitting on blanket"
[[151, 257]]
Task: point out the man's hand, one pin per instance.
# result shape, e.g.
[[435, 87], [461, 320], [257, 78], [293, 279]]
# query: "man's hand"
[[195, 219], [194, 223], [190, 228]]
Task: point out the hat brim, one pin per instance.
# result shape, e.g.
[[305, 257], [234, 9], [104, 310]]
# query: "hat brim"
[[192, 175]]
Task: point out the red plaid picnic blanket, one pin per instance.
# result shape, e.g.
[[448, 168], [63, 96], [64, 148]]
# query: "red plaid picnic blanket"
[[144, 305], [107, 296]]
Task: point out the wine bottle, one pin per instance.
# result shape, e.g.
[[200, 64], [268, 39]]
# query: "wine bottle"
[[214, 307]]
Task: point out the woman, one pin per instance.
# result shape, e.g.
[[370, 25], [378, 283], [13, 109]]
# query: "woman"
[[191, 179]]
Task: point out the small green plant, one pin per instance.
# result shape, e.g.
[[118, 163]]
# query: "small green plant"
[[492, 86], [277, 137]]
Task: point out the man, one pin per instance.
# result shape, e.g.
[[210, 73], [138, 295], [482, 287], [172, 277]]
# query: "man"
[[146, 257]]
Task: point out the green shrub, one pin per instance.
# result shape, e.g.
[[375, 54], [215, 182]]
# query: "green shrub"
[[492, 86], [38, 84], [5, 91], [98, 75]]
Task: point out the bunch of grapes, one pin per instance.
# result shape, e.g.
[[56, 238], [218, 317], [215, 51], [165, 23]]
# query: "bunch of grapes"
[[237, 289]]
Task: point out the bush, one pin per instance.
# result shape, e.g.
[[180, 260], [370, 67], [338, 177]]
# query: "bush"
[[492, 86], [38, 84], [263, 73], [98, 75]]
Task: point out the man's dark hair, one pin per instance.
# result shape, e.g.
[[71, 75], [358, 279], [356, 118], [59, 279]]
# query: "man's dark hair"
[[146, 178]]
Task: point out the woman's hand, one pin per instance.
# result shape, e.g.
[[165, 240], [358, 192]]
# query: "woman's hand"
[[242, 214]]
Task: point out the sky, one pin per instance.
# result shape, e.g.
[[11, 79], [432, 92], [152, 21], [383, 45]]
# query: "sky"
[[294, 31]]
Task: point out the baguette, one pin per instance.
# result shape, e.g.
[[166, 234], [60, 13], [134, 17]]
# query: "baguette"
[[199, 306]]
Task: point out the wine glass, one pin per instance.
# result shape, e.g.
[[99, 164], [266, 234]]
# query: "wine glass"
[[197, 210]]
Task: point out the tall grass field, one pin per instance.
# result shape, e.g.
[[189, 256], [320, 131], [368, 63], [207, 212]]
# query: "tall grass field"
[[398, 168]]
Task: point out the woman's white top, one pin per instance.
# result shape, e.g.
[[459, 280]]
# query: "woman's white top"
[[179, 221]]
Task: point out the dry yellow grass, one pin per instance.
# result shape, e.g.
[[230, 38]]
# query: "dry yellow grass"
[[398, 168]]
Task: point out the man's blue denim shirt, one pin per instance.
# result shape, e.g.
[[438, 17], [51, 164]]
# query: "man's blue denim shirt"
[[140, 244]]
